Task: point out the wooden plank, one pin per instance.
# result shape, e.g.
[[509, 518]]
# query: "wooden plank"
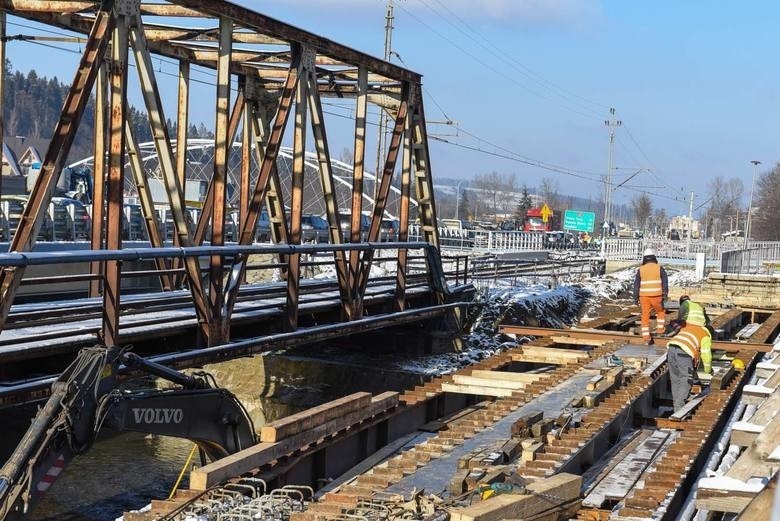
[[574, 354], [687, 409], [626, 338], [567, 340], [263, 453], [594, 382], [477, 390], [313, 417], [474, 380], [509, 375], [766, 369], [529, 453], [767, 329], [540, 359], [743, 434], [522, 426], [723, 494], [722, 377], [753, 461], [546, 494], [766, 410], [762, 504]]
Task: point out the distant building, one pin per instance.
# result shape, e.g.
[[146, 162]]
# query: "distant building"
[[684, 225], [19, 154]]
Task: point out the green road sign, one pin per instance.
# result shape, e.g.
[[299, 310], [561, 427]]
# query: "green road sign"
[[578, 221]]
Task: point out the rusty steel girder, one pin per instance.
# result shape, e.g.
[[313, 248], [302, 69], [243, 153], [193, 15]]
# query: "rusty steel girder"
[[279, 69]]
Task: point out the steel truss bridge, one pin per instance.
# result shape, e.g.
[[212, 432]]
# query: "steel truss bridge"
[[283, 74]]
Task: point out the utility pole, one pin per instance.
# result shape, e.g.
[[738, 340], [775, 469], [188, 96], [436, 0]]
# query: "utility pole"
[[380, 145], [612, 123], [690, 225], [748, 221]]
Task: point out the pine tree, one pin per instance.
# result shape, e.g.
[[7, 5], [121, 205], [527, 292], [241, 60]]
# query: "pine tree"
[[463, 206], [524, 205]]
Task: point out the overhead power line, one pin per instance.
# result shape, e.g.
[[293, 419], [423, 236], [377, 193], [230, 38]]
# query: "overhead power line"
[[510, 59], [482, 62]]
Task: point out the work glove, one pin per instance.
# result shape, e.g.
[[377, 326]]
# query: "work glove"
[[708, 369]]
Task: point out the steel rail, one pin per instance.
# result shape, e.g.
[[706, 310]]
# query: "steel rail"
[[38, 389]]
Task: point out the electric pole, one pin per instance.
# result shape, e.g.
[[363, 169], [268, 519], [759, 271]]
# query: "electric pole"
[[380, 145], [612, 123], [690, 225], [750, 205]]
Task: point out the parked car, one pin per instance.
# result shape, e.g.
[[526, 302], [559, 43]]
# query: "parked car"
[[134, 225], [12, 208], [72, 221], [388, 230], [346, 225], [314, 229]]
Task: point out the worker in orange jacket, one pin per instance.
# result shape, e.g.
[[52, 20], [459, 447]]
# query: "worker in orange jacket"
[[651, 287]]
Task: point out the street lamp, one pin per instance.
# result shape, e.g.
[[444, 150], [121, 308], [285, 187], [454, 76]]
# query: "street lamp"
[[750, 205]]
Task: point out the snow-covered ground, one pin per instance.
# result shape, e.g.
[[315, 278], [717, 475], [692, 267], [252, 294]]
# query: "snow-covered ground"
[[683, 278], [533, 304]]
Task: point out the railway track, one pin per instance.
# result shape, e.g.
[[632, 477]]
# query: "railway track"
[[669, 453]]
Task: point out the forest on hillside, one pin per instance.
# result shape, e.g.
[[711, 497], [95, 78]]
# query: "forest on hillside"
[[32, 105]]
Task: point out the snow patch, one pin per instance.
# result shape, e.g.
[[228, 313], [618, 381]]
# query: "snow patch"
[[683, 279], [522, 304], [727, 483]]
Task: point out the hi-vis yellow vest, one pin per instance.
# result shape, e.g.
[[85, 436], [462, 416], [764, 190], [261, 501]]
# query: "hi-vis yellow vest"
[[695, 315], [693, 340], [650, 284]]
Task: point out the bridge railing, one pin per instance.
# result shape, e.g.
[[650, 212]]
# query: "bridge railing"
[[758, 258], [665, 249], [429, 272], [497, 240]]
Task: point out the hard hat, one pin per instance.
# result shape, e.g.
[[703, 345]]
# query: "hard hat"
[[738, 364], [683, 298], [649, 252]]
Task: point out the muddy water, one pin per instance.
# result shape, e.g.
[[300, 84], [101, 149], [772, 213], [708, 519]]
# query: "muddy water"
[[124, 471]]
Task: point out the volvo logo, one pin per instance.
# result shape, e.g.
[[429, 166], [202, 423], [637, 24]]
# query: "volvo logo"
[[155, 415]]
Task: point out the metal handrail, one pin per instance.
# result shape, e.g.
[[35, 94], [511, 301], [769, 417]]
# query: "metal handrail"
[[22, 259]]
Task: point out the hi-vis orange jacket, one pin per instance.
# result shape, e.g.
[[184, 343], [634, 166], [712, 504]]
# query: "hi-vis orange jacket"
[[651, 281]]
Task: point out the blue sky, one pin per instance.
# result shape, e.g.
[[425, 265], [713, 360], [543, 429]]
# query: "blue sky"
[[692, 81]]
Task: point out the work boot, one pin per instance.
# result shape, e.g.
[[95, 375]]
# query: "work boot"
[[649, 342]]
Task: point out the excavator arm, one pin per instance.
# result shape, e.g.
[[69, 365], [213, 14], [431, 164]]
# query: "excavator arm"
[[85, 398]]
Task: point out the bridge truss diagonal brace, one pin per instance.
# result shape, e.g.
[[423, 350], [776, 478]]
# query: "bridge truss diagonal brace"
[[425, 193], [384, 187], [220, 323], [162, 143], [97, 237], [109, 334], [296, 191], [329, 191], [266, 154], [358, 171], [57, 152], [258, 121], [151, 220], [208, 202], [403, 217]]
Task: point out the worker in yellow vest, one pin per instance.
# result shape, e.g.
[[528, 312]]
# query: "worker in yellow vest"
[[692, 312], [685, 350], [651, 286]]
